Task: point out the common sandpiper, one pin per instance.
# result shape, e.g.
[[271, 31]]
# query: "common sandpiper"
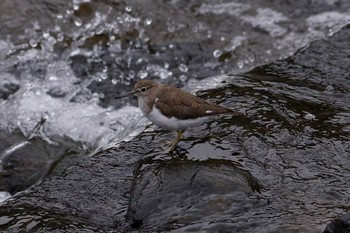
[[172, 108]]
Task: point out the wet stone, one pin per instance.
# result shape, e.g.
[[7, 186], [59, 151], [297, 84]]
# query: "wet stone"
[[92, 194], [339, 225], [16, 173], [255, 148], [8, 85], [175, 193]]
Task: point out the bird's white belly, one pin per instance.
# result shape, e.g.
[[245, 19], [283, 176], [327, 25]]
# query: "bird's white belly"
[[173, 123]]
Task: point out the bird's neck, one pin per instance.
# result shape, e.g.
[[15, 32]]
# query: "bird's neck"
[[146, 104]]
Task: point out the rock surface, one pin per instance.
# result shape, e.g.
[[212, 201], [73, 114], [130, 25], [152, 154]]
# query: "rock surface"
[[8, 85], [339, 225]]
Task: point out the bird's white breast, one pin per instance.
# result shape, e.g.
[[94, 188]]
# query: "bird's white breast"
[[173, 123]]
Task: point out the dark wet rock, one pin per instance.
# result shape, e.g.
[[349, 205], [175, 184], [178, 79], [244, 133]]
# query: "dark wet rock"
[[299, 85], [24, 161], [255, 148], [95, 192], [8, 85], [175, 193], [92, 193], [56, 92], [339, 225], [38, 220], [319, 66]]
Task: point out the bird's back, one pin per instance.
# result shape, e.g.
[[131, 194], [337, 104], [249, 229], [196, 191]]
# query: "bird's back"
[[183, 105]]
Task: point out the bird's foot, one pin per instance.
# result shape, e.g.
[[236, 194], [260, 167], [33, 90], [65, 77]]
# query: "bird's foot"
[[174, 142], [169, 146], [173, 145]]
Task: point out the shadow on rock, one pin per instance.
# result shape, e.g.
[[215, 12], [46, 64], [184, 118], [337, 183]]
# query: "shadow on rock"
[[175, 193], [339, 225]]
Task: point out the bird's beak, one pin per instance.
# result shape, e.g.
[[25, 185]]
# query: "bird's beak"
[[125, 95]]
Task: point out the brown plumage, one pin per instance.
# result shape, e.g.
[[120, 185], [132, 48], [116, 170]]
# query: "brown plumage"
[[183, 105], [172, 101]]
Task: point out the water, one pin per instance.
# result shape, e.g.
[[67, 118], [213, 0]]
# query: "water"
[[68, 64]]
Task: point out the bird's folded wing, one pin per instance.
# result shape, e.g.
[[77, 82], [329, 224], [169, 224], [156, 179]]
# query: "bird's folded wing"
[[186, 106]]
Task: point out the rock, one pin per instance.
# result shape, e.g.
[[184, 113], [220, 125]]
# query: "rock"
[[169, 194], [92, 194], [339, 225], [8, 85]]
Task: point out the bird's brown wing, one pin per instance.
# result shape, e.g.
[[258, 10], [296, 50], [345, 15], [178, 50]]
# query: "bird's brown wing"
[[174, 102]]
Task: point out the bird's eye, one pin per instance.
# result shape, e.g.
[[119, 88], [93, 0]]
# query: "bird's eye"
[[143, 89]]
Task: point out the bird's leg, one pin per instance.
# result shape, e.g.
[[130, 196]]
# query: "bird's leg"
[[176, 140]]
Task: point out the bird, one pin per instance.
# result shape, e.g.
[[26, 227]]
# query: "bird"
[[172, 108]]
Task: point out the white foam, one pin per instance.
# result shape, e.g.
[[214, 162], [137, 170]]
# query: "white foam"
[[4, 196], [84, 122]]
